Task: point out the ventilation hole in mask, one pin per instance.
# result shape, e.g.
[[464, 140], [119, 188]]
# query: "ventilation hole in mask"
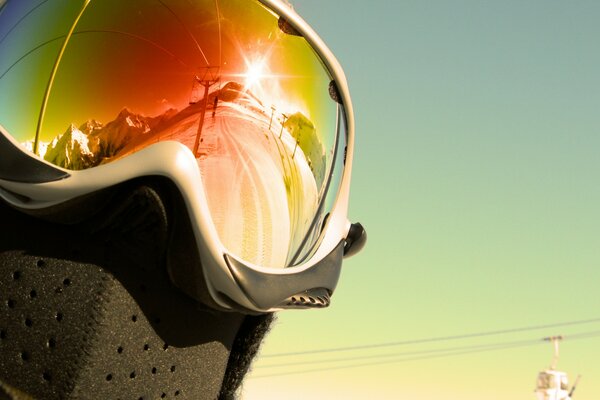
[[2, 334], [46, 376], [154, 370], [146, 347], [25, 356], [59, 316], [132, 375], [66, 281], [16, 275], [41, 263], [177, 392], [172, 368], [33, 294], [109, 377], [120, 350], [134, 318], [51, 343], [28, 322], [11, 303]]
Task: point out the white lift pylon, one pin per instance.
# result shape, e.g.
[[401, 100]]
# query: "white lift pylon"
[[551, 383]]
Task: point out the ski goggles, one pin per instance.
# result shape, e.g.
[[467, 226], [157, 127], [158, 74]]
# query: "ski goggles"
[[238, 102]]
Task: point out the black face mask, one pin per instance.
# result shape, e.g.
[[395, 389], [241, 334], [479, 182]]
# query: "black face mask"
[[88, 309]]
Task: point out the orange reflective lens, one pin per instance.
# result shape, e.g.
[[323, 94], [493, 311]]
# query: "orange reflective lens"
[[84, 83]]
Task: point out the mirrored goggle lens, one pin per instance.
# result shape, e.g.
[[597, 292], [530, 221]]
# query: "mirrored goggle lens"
[[86, 83]]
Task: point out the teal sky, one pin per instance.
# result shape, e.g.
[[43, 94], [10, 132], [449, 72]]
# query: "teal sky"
[[476, 175]]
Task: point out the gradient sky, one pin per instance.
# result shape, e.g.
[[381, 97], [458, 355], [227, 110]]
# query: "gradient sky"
[[476, 176]]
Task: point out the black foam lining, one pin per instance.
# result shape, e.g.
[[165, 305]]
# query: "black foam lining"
[[87, 311], [245, 348]]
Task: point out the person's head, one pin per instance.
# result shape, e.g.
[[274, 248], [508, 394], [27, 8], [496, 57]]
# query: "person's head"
[[238, 104], [195, 146]]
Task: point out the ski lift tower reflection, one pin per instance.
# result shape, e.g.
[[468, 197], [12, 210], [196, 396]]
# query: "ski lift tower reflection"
[[209, 77], [553, 384]]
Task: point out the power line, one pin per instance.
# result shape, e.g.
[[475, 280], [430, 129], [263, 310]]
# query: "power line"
[[3, 3], [395, 355], [426, 357], [189, 32], [394, 361], [434, 339], [491, 346], [392, 355]]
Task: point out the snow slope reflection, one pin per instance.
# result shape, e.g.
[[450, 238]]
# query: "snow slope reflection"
[[261, 188], [262, 195]]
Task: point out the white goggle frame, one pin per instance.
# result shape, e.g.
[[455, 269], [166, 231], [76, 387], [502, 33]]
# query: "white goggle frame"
[[232, 283]]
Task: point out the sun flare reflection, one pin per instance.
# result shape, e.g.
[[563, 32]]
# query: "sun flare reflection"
[[254, 74]]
